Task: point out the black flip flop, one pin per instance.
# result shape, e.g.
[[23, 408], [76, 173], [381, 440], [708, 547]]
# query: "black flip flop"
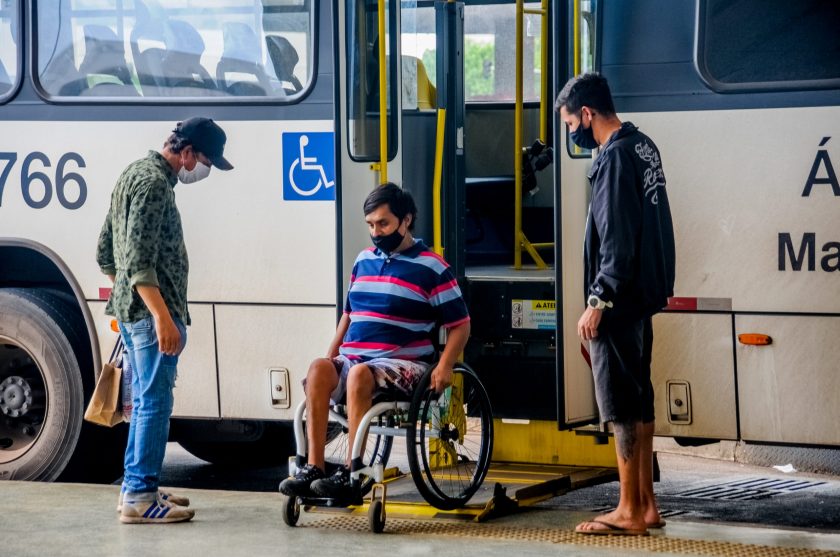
[[611, 530]]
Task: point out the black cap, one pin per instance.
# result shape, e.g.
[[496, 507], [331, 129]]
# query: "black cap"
[[207, 138]]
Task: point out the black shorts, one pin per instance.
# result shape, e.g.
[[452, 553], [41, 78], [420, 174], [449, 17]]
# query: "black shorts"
[[621, 367]]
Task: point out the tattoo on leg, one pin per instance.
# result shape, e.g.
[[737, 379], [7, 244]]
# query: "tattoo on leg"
[[625, 438]]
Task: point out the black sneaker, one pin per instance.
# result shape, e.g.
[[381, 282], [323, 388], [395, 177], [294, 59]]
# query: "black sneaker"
[[336, 486], [299, 484]]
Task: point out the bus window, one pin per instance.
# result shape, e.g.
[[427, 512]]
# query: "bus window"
[[417, 37], [489, 72], [159, 49], [9, 47], [773, 45], [362, 37]]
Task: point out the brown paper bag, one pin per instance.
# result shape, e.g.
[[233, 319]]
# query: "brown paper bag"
[[105, 407]]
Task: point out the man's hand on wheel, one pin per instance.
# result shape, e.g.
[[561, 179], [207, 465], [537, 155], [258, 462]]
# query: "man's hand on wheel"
[[441, 378]]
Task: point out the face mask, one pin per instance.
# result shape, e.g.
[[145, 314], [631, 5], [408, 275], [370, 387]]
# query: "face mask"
[[200, 172], [583, 137], [388, 243]]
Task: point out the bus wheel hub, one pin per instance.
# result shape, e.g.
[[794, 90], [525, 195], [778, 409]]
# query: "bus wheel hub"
[[15, 396]]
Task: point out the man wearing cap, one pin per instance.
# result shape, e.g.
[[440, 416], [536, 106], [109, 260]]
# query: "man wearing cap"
[[141, 249]]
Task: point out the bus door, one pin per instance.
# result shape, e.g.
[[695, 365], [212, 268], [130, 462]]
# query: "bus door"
[[507, 239], [525, 210], [510, 243], [574, 54], [366, 29]]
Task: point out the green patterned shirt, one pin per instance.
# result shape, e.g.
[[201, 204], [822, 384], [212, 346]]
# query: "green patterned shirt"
[[142, 241]]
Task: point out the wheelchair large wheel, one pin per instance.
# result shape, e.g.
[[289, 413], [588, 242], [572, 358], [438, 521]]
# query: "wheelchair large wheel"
[[377, 448], [450, 439]]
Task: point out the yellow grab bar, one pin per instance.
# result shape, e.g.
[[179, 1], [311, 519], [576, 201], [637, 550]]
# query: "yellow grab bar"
[[520, 240], [576, 32], [544, 73], [383, 101], [517, 140], [437, 205]]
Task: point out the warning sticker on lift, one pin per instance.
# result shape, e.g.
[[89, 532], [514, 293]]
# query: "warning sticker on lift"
[[533, 314]]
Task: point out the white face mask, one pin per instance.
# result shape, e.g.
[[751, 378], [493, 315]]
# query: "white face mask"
[[200, 172]]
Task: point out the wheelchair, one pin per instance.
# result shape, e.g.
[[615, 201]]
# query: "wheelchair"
[[449, 442]]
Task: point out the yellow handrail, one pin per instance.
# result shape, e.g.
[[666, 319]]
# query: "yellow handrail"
[[543, 13], [544, 73], [437, 205], [576, 31], [520, 241], [517, 140], [383, 101]]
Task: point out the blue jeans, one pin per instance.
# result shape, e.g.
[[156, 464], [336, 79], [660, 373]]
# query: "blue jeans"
[[151, 385]]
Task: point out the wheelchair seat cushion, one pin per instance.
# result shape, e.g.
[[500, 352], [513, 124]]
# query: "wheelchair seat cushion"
[[395, 379]]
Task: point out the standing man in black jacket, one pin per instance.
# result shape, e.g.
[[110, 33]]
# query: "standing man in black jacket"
[[629, 275]]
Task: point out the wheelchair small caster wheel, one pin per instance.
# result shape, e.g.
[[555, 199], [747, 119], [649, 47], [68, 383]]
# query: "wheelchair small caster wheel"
[[291, 510], [376, 516]]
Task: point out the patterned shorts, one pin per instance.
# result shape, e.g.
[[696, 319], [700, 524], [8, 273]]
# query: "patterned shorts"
[[394, 378]]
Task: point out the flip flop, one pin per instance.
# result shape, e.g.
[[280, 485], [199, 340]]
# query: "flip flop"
[[660, 524], [610, 530]]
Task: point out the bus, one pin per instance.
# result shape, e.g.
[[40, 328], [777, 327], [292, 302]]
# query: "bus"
[[742, 97]]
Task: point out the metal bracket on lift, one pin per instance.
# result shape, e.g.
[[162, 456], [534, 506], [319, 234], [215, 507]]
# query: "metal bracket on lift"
[[502, 505]]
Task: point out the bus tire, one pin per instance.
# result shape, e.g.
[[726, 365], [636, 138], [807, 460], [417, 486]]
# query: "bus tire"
[[43, 349]]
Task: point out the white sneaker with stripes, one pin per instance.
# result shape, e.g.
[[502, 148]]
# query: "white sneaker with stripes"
[[179, 500], [155, 511]]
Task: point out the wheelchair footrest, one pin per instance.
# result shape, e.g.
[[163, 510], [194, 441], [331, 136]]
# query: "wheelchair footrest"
[[330, 502]]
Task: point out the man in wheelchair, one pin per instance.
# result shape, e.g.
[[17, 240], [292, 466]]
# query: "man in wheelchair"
[[399, 293]]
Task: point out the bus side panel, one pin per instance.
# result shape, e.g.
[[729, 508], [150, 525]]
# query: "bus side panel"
[[788, 389], [244, 223], [242, 236], [694, 349], [254, 339], [197, 386], [747, 227]]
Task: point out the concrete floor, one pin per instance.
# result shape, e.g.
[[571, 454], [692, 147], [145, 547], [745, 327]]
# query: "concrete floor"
[[38, 519]]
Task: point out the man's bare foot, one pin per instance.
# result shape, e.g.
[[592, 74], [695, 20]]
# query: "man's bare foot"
[[653, 519], [613, 523]]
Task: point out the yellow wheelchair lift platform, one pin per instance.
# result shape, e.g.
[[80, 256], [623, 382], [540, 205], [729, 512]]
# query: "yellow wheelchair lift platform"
[[525, 471]]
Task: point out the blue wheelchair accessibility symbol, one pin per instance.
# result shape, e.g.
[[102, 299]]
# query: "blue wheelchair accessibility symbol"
[[308, 166]]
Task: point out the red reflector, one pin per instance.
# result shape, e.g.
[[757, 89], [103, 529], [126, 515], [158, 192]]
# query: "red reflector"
[[754, 339], [104, 293], [684, 304]]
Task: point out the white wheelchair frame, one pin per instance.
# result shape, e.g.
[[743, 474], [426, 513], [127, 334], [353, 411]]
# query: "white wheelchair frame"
[[377, 471], [398, 409]]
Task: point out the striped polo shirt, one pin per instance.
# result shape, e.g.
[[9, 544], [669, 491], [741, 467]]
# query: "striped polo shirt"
[[395, 302]]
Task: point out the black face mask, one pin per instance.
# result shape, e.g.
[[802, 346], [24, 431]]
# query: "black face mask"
[[388, 243], [583, 137]]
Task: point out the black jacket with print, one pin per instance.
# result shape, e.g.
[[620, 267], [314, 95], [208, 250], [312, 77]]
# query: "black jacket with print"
[[629, 254]]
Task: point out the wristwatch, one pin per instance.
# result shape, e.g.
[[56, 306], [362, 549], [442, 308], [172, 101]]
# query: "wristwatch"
[[597, 303]]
